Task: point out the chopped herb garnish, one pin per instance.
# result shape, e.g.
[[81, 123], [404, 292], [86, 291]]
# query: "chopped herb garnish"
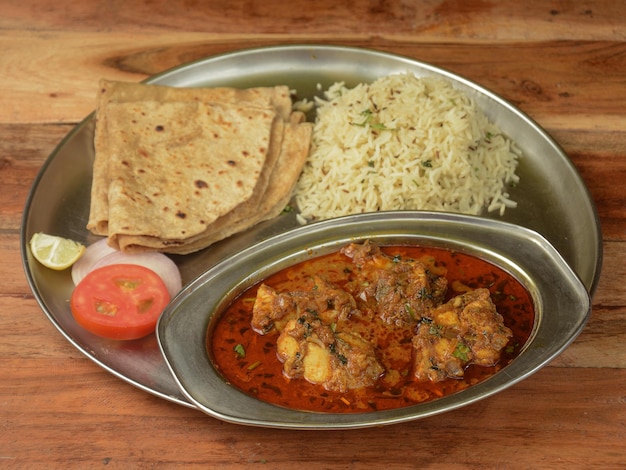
[[410, 310], [422, 293], [427, 163], [333, 349], [380, 127], [240, 350], [368, 117], [434, 329], [368, 114], [461, 351]]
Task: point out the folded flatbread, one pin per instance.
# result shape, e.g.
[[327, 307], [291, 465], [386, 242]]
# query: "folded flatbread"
[[270, 204], [177, 169]]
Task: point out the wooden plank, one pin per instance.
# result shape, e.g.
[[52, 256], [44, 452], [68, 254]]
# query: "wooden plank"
[[448, 21], [502, 431], [555, 82], [561, 62]]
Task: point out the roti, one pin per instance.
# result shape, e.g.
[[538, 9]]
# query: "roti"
[[177, 169], [270, 204]]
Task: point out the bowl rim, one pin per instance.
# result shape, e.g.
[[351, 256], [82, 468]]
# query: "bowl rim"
[[182, 328]]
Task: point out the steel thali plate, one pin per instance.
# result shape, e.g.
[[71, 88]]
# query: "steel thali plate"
[[552, 197]]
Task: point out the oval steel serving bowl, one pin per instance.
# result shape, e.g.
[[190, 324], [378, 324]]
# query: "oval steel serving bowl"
[[562, 307]]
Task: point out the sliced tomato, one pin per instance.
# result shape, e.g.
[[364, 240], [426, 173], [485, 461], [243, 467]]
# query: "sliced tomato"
[[119, 301]]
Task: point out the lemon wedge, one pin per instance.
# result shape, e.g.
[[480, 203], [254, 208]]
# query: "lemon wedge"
[[55, 252]]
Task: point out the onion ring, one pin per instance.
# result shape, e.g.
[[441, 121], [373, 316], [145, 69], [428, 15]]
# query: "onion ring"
[[100, 254]]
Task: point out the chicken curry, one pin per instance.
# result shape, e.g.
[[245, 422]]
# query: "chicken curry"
[[372, 328]]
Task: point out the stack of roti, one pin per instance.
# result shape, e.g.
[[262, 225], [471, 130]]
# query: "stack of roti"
[[177, 169]]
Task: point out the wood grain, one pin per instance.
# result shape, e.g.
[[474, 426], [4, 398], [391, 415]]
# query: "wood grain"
[[543, 79], [499, 432], [445, 20], [561, 62]]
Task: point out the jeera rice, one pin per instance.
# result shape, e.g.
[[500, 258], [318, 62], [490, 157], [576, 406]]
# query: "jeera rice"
[[404, 143]]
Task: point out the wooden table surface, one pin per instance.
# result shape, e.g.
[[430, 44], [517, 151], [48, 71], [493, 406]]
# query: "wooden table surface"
[[562, 62]]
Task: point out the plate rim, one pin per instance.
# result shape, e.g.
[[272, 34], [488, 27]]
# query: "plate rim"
[[159, 77]]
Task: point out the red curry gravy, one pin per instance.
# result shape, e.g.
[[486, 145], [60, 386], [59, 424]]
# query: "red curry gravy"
[[248, 360]]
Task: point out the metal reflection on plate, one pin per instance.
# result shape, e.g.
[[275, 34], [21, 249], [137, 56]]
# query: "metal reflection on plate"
[[552, 198]]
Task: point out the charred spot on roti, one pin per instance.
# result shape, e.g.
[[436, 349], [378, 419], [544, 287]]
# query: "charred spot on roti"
[[159, 128], [200, 184], [181, 214]]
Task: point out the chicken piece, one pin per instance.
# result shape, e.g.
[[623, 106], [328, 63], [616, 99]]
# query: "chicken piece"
[[465, 330], [272, 310], [339, 361], [400, 291]]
